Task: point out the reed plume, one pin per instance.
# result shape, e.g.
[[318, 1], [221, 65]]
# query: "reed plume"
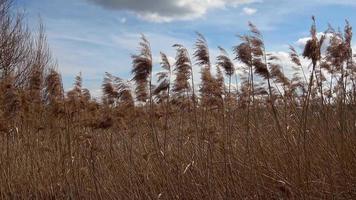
[[312, 51], [74, 96], [298, 81], [208, 91], [164, 79], [124, 92], [142, 69], [109, 91], [54, 92], [183, 71], [226, 63], [116, 91]]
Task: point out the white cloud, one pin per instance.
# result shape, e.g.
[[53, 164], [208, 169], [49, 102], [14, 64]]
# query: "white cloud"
[[249, 11], [169, 10], [123, 20]]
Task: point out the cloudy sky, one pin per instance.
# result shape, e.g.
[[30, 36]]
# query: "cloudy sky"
[[98, 36]]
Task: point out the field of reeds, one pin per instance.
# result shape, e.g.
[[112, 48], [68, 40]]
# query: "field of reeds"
[[183, 135]]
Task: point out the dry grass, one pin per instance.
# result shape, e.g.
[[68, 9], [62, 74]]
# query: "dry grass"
[[272, 138]]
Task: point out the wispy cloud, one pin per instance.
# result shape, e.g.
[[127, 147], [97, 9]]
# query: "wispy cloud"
[[249, 11]]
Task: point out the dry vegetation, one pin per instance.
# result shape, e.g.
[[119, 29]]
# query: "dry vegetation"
[[274, 137]]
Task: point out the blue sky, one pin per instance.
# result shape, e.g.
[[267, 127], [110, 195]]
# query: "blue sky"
[[98, 36]]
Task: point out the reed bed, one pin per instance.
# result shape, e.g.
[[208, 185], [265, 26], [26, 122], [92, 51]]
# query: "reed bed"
[[273, 137]]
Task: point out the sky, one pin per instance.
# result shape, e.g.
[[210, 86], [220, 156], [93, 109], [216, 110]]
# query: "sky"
[[98, 36]]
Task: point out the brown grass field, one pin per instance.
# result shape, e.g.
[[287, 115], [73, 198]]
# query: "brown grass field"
[[273, 137]]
